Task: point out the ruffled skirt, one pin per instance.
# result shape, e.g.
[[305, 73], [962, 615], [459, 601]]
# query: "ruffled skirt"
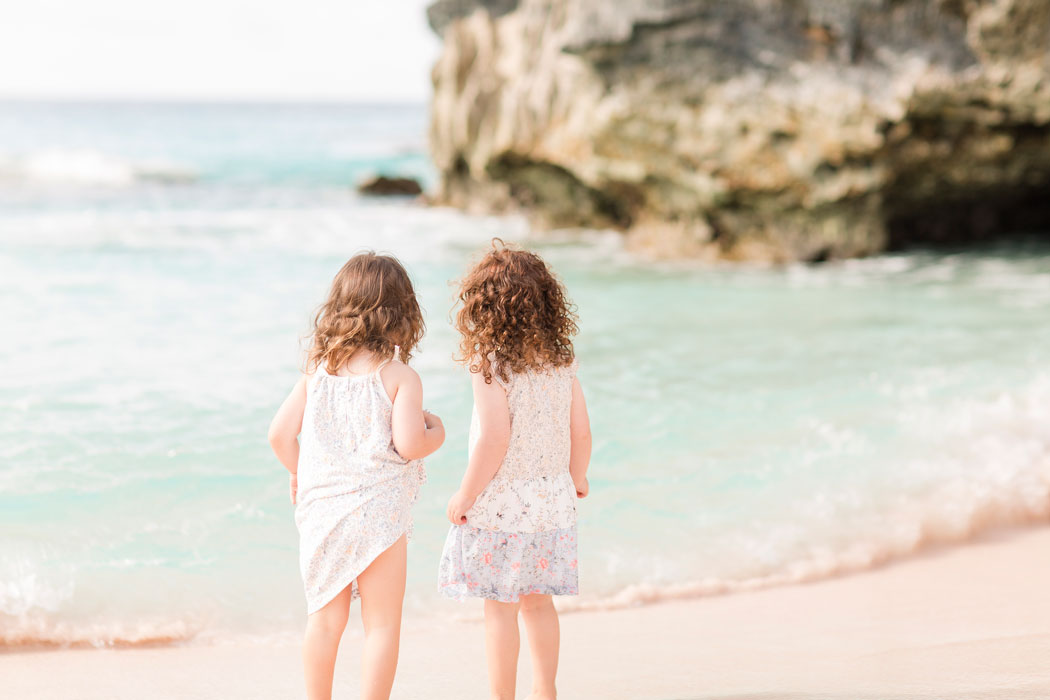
[[503, 566]]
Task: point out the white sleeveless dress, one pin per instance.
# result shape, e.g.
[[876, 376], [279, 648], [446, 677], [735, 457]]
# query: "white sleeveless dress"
[[355, 490], [520, 535]]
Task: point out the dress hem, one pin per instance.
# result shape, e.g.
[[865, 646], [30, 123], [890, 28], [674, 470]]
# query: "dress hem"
[[503, 566], [355, 593], [461, 592]]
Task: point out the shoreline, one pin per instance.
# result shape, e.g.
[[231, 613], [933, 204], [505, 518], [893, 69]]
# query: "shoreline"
[[952, 622], [633, 596]]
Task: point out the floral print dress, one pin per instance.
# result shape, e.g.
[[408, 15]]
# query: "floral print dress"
[[355, 490], [520, 535]]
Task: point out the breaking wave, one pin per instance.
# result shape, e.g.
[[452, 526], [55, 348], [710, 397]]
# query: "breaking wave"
[[999, 451], [87, 167]]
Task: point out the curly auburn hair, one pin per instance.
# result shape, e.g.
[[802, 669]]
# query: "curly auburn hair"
[[371, 306], [514, 315]]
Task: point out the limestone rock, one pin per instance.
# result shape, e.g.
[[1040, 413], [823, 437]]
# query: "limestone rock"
[[385, 186], [777, 129]]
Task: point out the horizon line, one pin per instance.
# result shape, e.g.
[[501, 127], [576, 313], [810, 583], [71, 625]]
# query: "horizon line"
[[212, 100]]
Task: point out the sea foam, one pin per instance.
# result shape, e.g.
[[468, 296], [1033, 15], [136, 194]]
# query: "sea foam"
[[87, 167]]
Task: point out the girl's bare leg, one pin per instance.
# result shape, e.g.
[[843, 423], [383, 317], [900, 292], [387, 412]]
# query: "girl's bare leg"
[[324, 629], [541, 625], [382, 587], [501, 648]]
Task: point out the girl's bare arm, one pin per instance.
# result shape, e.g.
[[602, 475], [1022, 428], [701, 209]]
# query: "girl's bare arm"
[[416, 433], [580, 434], [490, 400], [286, 425]]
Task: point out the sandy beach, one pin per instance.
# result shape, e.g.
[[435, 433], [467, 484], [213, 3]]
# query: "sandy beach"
[[967, 622]]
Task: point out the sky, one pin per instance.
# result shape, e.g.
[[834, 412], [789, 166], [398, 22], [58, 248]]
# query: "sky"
[[376, 50]]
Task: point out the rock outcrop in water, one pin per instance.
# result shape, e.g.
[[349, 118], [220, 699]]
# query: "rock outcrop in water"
[[753, 129], [386, 186]]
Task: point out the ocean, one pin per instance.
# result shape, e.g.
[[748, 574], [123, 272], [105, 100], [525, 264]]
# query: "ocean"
[[159, 266]]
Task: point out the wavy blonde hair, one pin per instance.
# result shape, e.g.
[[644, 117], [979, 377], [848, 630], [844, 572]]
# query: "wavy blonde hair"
[[514, 315], [371, 306]]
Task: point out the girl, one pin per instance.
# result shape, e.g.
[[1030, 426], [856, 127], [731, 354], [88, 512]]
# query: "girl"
[[513, 535], [356, 469]]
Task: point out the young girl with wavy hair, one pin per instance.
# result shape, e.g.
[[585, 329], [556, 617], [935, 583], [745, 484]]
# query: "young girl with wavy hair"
[[513, 535], [357, 467]]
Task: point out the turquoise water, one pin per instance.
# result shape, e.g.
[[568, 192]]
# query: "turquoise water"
[[159, 265]]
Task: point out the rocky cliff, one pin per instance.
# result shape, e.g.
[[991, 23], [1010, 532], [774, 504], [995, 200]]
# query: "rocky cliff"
[[749, 129]]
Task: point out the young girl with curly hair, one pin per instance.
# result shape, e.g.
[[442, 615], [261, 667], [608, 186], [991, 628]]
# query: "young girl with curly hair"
[[513, 535], [357, 467]]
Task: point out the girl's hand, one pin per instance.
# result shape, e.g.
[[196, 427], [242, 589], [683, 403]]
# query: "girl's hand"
[[293, 487], [582, 488], [431, 421], [458, 506]]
